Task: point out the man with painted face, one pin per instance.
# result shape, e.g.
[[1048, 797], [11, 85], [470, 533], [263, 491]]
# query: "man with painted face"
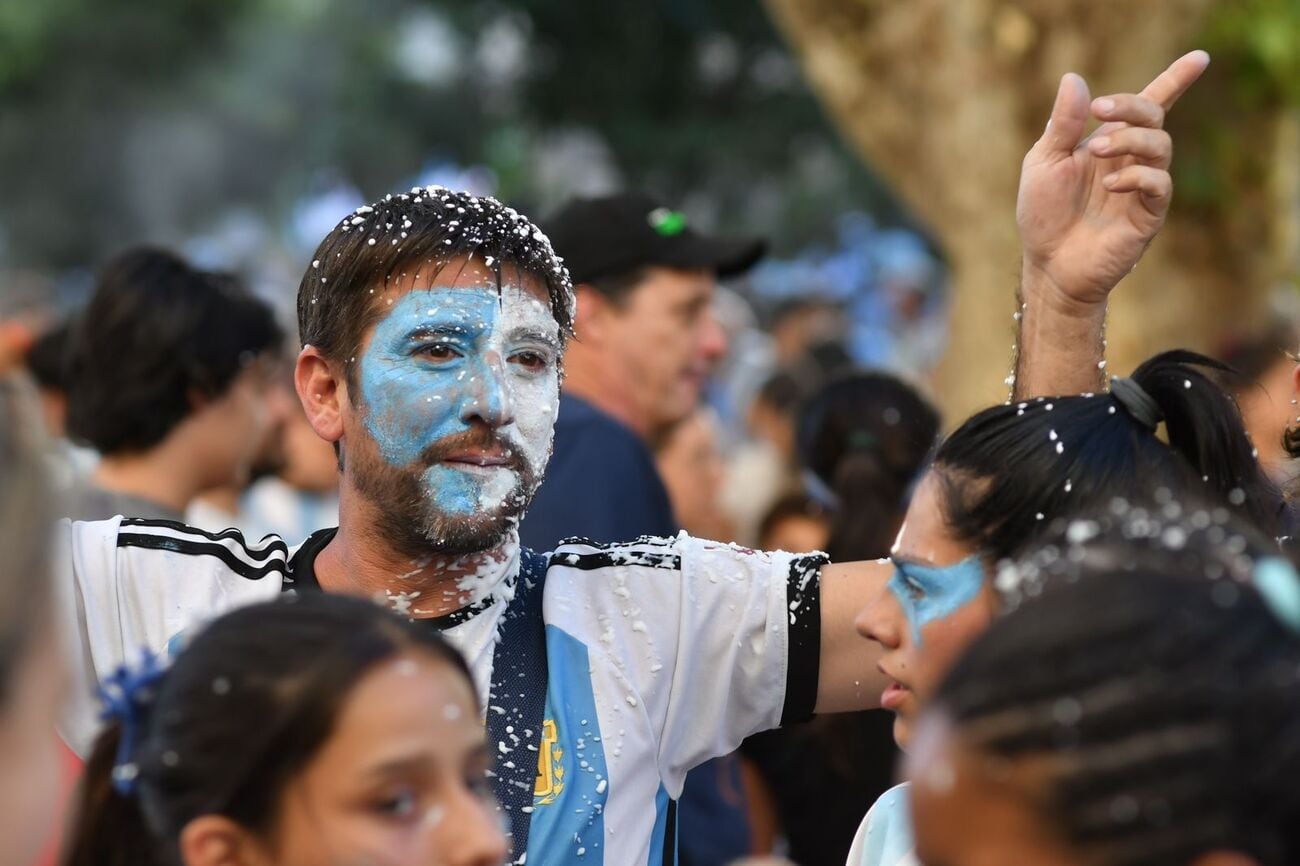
[[433, 324]]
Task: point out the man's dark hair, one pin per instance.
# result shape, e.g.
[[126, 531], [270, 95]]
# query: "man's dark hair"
[[47, 359], [618, 288], [418, 232], [156, 333]]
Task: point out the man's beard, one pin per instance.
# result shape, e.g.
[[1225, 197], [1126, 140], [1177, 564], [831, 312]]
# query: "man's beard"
[[408, 517]]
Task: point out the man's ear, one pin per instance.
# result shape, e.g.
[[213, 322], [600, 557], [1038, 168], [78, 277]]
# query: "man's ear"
[[215, 840], [592, 319], [323, 390], [1295, 383]]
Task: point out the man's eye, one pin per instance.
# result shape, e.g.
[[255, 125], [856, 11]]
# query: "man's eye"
[[914, 589], [532, 361], [438, 352]]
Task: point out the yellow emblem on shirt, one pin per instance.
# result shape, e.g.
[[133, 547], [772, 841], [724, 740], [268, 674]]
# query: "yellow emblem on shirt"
[[550, 772]]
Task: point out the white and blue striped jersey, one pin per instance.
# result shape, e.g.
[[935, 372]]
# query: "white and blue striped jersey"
[[661, 653]]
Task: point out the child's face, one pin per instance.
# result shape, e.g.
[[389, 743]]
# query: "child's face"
[[970, 811], [401, 780]]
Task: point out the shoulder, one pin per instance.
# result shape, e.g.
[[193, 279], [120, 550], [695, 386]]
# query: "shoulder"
[[653, 552], [885, 835], [224, 551]]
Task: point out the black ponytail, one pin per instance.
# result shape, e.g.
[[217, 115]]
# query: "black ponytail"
[[865, 438], [1008, 471], [242, 710]]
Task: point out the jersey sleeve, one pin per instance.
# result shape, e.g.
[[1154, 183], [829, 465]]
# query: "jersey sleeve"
[[124, 587], [716, 641]]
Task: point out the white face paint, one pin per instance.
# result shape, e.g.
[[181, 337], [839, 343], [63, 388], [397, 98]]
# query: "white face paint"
[[446, 360]]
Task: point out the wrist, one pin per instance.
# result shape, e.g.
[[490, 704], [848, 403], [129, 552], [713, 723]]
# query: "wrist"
[[1044, 294]]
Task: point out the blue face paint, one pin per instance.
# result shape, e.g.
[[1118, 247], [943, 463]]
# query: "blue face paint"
[[446, 358], [928, 593]]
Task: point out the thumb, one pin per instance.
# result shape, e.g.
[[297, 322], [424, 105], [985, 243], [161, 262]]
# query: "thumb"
[[1069, 118]]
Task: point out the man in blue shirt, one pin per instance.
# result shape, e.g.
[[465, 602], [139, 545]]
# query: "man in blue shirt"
[[646, 341]]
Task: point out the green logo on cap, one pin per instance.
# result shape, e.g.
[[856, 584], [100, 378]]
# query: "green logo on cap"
[[667, 222]]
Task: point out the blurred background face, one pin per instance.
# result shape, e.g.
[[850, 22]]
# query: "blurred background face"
[[923, 623], [664, 340], [690, 464], [454, 413], [402, 780], [242, 429]]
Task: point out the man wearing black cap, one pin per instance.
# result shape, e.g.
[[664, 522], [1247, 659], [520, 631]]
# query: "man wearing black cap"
[[646, 342]]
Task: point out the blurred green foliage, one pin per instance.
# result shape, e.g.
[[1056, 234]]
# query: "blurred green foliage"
[[130, 120]]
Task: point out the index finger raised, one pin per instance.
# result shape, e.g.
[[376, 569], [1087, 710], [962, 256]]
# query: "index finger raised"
[[1169, 85]]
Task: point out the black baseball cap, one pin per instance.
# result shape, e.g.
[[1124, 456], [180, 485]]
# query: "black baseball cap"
[[614, 234]]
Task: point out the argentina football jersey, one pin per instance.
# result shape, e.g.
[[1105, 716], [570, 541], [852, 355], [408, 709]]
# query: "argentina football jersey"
[[635, 663]]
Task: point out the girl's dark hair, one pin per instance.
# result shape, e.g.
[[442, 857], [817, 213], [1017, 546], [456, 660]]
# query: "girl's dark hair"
[[1158, 690], [156, 332], [1008, 471], [241, 711], [866, 436]]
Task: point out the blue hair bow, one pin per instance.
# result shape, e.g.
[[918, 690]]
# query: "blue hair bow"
[[127, 696]]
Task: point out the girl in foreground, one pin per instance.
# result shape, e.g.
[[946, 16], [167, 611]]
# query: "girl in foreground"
[[311, 730], [1134, 714], [1000, 483]]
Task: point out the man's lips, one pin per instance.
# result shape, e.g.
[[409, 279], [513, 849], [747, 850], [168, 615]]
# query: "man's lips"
[[479, 459]]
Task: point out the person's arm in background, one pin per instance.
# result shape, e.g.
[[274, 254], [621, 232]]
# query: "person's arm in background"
[[1087, 210]]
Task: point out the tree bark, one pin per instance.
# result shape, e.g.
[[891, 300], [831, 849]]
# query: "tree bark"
[[943, 98]]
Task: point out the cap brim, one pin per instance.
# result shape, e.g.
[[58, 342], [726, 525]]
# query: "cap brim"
[[725, 257]]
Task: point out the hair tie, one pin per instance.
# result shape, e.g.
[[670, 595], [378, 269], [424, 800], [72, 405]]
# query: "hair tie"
[[1276, 580], [861, 440], [1136, 402], [127, 696]]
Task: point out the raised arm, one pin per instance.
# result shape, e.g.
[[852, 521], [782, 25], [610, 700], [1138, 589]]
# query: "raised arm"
[[1087, 210]]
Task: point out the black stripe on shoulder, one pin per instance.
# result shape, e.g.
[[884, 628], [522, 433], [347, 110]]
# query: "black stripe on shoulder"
[[803, 667], [614, 557], [232, 534], [201, 548], [642, 540]]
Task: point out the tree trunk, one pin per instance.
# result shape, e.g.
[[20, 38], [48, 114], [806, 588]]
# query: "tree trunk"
[[943, 98]]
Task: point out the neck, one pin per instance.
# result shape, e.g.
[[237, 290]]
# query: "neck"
[[593, 380], [163, 475], [360, 562]]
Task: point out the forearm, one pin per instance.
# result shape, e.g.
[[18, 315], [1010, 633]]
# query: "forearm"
[[1060, 346], [848, 677]]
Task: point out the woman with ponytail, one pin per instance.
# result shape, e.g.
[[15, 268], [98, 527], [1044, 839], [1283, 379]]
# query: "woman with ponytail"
[[309, 730], [997, 486]]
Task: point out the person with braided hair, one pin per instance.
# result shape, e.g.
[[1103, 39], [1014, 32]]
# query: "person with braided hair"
[[994, 490], [1138, 707]]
